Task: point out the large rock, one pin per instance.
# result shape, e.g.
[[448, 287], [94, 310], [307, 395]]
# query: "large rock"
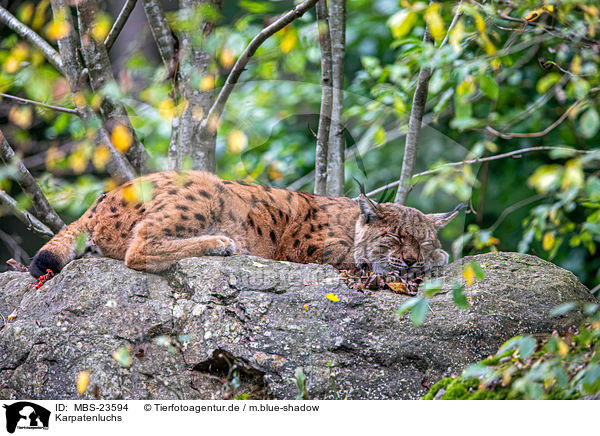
[[221, 327]]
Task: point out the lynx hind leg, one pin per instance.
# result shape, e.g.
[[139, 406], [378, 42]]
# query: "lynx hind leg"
[[156, 255]]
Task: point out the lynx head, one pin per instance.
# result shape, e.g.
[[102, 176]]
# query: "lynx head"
[[390, 237]]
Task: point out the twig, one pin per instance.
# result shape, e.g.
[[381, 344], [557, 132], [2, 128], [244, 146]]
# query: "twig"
[[414, 128], [322, 147], [544, 132], [25, 32], [46, 213], [119, 23], [512, 208], [239, 66], [38, 103], [162, 34], [457, 15], [479, 160], [25, 217]]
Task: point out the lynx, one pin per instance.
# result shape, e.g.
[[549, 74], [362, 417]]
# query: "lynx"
[[158, 219]]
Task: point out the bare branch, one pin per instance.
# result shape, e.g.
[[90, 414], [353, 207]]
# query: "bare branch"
[[240, 64], [43, 209], [118, 167], [337, 143], [25, 32], [326, 99], [38, 103], [119, 23], [25, 217], [414, 128], [100, 73], [506, 135], [162, 34], [515, 153]]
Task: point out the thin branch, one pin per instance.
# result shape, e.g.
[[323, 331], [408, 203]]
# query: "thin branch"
[[240, 64], [550, 30], [25, 32], [326, 99], [414, 129], [163, 36], [38, 103], [25, 217], [505, 135], [119, 23], [510, 209], [515, 153], [43, 209], [457, 15]]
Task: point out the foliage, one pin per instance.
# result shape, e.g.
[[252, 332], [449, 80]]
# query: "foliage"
[[560, 366]]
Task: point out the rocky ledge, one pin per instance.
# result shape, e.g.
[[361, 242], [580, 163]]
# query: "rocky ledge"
[[213, 328]]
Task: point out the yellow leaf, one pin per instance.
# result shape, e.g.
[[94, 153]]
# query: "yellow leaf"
[[534, 15], [166, 109], [121, 138], [57, 29], [288, 42], [101, 157], [26, 13], [237, 141], [83, 379], [332, 297], [22, 116], [78, 160], [101, 27], [306, 307], [469, 274], [79, 100], [207, 83], [563, 348], [227, 58], [139, 191], [96, 101], [53, 155], [573, 175], [396, 286], [576, 64], [401, 23], [274, 173], [548, 241], [11, 65], [456, 35], [435, 22]]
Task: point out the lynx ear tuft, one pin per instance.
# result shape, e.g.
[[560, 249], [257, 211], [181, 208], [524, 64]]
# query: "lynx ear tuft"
[[440, 220], [369, 210]]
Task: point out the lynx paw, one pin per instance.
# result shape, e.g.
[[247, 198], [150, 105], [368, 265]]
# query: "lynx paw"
[[222, 246]]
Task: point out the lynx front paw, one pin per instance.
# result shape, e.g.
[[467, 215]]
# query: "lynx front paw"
[[222, 246]]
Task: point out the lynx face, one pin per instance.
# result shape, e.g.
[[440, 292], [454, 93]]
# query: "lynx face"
[[390, 237]]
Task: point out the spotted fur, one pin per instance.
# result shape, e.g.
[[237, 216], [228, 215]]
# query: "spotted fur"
[[158, 219]]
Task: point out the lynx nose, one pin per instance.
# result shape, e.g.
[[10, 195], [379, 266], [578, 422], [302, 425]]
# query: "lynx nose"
[[409, 261]]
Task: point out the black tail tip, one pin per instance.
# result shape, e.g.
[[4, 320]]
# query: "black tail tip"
[[44, 260]]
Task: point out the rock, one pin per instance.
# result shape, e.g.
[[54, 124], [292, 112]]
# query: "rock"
[[213, 328]]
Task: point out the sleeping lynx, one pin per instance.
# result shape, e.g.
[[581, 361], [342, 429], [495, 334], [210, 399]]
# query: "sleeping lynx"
[[158, 219]]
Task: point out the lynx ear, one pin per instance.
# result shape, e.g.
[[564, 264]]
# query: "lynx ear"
[[440, 220], [368, 208]]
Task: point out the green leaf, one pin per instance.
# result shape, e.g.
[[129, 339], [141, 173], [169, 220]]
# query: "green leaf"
[[524, 344], [489, 87], [563, 308], [419, 311], [479, 274], [432, 287], [406, 306], [589, 123], [459, 297]]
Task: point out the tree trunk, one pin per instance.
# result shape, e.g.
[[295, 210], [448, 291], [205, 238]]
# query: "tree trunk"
[[335, 158], [326, 99], [192, 146]]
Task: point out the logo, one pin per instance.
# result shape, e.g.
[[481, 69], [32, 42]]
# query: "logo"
[[26, 415]]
